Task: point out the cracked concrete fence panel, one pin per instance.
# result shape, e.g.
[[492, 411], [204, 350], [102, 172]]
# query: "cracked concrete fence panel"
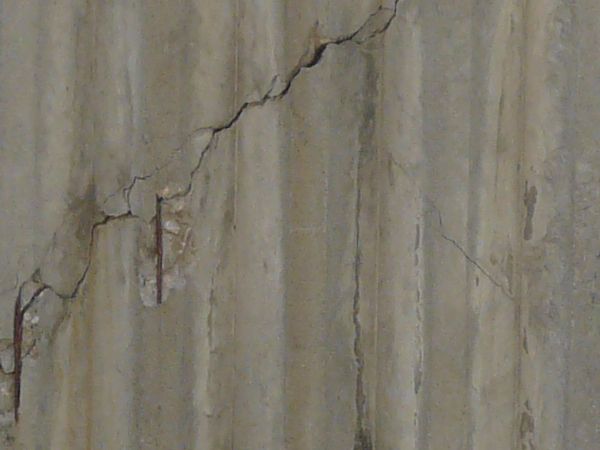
[[342, 225]]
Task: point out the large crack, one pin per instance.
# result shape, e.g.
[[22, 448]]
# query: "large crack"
[[368, 30], [277, 90]]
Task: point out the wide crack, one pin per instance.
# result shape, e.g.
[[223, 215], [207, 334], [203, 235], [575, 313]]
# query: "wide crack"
[[311, 57], [314, 54]]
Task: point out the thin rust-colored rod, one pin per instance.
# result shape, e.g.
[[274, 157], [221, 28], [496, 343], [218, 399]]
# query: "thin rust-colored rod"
[[17, 349], [18, 344], [159, 249]]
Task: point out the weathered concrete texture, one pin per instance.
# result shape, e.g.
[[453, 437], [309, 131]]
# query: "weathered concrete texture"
[[378, 224]]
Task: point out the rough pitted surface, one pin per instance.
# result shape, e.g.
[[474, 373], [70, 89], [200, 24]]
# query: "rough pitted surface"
[[352, 224]]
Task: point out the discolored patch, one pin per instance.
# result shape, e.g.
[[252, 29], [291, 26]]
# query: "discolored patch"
[[530, 201]]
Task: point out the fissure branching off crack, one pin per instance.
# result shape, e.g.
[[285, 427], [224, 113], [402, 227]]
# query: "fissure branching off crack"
[[477, 265], [310, 59], [432, 204]]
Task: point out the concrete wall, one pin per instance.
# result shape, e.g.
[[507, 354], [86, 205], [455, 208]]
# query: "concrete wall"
[[377, 223]]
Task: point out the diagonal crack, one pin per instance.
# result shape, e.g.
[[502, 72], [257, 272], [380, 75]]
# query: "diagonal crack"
[[310, 58], [440, 229], [20, 309], [473, 261]]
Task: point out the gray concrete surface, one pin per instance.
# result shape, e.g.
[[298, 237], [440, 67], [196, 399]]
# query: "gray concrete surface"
[[379, 224]]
